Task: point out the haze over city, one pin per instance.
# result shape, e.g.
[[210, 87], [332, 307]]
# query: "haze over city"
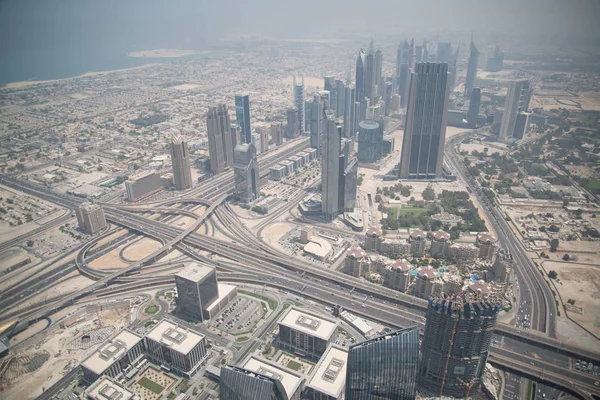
[[331, 200]]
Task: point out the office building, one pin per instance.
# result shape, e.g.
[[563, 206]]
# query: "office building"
[[236, 134], [444, 52], [349, 112], [106, 388], [90, 218], [330, 168], [197, 288], [180, 158], [398, 275], [299, 104], [245, 172], [370, 141], [401, 56], [452, 69], [455, 345], [474, 105], [242, 116], [220, 140], [277, 133], [180, 349], [257, 142], [370, 73], [291, 381], [425, 127], [340, 104], [328, 380], [329, 86], [385, 367], [237, 383], [379, 84], [404, 84], [360, 82], [143, 184], [440, 242], [115, 358], [419, 54], [354, 261], [517, 102], [317, 119], [348, 184], [487, 244], [292, 128], [471, 68], [495, 60], [305, 334], [264, 139]]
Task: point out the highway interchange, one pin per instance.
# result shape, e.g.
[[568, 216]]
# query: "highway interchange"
[[257, 263]]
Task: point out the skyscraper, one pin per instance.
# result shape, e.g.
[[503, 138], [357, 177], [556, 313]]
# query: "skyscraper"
[[495, 60], [474, 105], [379, 72], [411, 54], [276, 133], [90, 218], [370, 74], [385, 367], [292, 127], [242, 115], [370, 141], [317, 119], [197, 288], [330, 170], [340, 92], [471, 68], [517, 101], [425, 127], [220, 139], [455, 345], [299, 104], [444, 52], [180, 158], [237, 383], [349, 115], [360, 81], [404, 84], [329, 85], [452, 68], [246, 176]]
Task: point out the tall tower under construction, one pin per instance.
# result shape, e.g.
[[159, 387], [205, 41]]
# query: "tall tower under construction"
[[456, 343]]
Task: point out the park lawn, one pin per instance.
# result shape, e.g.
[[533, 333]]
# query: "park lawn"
[[417, 211], [151, 385], [152, 309], [294, 365]]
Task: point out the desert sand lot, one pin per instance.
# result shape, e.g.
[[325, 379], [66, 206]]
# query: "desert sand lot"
[[579, 282]]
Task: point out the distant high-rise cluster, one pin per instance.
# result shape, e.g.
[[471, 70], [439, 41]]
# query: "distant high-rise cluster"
[[495, 60], [471, 68], [180, 157], [425, 127]]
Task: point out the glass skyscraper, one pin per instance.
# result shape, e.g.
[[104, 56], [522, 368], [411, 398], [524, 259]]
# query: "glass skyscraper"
[[241, 384], [242, 116], [384, 368]]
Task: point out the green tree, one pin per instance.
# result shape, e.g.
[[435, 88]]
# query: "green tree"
[[553, 245], [429, 193], [553, 274], [566, 257]]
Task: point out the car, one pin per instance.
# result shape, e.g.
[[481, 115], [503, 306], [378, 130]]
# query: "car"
[[596, 383]]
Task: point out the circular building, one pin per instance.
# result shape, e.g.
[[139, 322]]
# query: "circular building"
[[370, 141]]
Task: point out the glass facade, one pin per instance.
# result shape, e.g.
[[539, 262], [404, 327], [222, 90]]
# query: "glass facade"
[[241, 384], [370, 141], [242, 116], [384, 368]]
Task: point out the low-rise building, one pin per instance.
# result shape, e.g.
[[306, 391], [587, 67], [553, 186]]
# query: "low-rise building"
[[176, 348], [277, 172], [447, 219], [328, 380], [305, 334], [291, 381], [106, 388], [318, 248]]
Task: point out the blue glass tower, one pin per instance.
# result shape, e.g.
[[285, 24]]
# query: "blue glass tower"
[[384, 368], [242, 116]]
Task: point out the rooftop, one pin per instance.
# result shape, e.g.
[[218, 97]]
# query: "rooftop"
[[311, 324], [107, 389], [374, 232], [330, 374], [195, 272], [356, 252], [111, 351], [427, 271], [290, 381], [177, 338], [438, 235], [417, 234], [318, 246], [485, 237], [402, 265]]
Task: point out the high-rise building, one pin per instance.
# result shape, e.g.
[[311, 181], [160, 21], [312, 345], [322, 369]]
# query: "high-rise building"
[[444, 52], [220, 139], [246, 176], [348, 182], [360, 81], [452, 68], [425, 127], [90, 218], [471, 68], [370, 74], [264, 140], [299, 104], [237, 383], [329, 377], [474, 105], [340, 91], [370, 141], [401, 56], [404, 84], [411, 54], [180, 158], [317, 119], [257, 142], [277, 133], [330, 170], [379, 72], [385, 367], [455, 345], [329, 85], [305, 333], [292, 129], [349, 115], [197, 288], [242, 116], [143, 184], [517, 101], [495, 60]]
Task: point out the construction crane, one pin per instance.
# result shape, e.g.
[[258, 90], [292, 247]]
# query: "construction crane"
[[468, 385], [451, 343]]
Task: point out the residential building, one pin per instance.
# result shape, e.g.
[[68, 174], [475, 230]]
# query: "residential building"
[[464, 253], [360, 83], [373, 239], [197, 288], [370, 141], [349, 112], [472, 64], [455, 345], [398, 275], [305, 334], [242, 116], [90, 218], [495, 60], [328, 380], [330, 168], [236, 383], [220, 140], [425, 127], [474, 105], [340, 104], [440, 242], [444, 52], [487, 244], [394, 248], [517, 102], [246, 175], [299, 104], [177, 348], [277, 133], [329, 86], [292, 128], [354, 261], [115, 357], [427, 282], [319, 106], [503, 265], [384, 367], [180, 158], [418, 242]]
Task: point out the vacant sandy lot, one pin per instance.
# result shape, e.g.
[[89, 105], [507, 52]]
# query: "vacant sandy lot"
[[581, 283], [140, 249], [274, 232], [110, 260]]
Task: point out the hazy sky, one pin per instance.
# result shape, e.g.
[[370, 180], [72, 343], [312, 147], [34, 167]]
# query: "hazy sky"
[[153, 23]]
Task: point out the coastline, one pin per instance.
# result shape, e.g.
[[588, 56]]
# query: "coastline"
[[164, 53], [23, 84]]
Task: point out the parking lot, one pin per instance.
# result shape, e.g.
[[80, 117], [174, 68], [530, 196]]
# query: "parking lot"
[[241, 315]]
